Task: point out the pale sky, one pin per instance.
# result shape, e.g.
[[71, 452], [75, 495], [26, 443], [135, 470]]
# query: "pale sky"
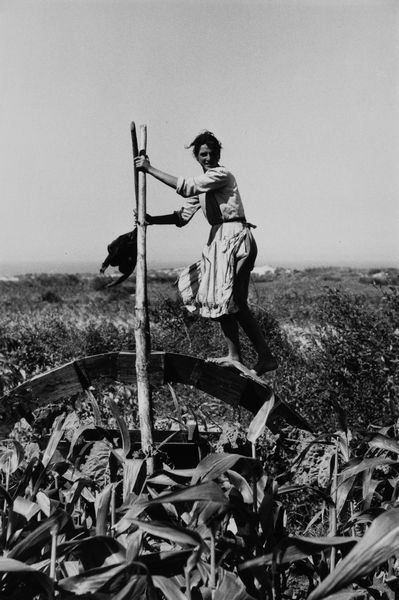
[[303, 94]]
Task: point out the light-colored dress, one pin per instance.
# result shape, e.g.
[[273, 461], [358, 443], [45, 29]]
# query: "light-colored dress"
[[210, 285]]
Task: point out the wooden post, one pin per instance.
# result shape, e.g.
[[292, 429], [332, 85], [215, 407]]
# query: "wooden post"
[[142, 330]]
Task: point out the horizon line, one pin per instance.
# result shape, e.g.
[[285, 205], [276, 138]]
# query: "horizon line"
[[19, 268]]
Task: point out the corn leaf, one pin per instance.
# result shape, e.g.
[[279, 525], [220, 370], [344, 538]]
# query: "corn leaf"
[[259, 422], [348, 594], [205, 491], [39, 536], [92, 580], [167, 563], [136, 588], [94, 552], [214, 465], [44, 503], [107, 580], [133, 545], [76, 436], [36, 581], [95, 406], [5, 495], [11, 458], [177, 407], [230, 586], [123, 428], [169, 588], [27, 477], [318, 515], [186, 473], [371, 488], [79, 488], [378, 544], [241, 484], [208, 513], [366, 480], [172, 533], [167, 508], [103, 501], [294, 548], [71, 567], [266, 515], [385, 443], [133, 468], [164, 477], [342, 492], [208, 490], [296, 487], [58, 432], [367, 463], [25, 507]]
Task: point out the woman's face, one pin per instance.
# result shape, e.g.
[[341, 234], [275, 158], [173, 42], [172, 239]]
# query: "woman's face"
[[208, 157]]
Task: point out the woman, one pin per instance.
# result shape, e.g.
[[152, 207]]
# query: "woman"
[[221, 289]]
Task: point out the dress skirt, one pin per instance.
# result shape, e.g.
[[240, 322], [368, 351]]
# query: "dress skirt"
[[217, 284]]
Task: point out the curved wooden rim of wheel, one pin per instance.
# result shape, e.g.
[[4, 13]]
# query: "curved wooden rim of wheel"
[[224, 383]]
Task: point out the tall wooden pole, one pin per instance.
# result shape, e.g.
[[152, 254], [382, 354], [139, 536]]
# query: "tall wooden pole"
[[142, 329]]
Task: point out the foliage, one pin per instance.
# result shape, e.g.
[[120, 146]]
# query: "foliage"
[[108, 531]]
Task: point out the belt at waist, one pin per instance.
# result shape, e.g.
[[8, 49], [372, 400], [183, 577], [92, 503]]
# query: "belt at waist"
[[235, 220]]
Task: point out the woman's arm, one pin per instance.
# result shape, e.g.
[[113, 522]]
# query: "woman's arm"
[[142, 163], [174, 218]]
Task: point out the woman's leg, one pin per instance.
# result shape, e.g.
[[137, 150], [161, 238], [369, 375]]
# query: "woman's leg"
[[266, 361], [229, 327]]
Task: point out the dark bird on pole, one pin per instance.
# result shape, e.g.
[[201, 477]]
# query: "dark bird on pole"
[[122, 253]]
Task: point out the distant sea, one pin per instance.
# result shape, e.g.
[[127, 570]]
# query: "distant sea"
[[24, 267], [10, 269]]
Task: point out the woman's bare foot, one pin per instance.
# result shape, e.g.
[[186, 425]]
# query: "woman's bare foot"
[[225, 360], [265, 364]]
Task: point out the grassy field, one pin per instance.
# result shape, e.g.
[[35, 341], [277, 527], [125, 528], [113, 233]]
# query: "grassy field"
[[47, 320]]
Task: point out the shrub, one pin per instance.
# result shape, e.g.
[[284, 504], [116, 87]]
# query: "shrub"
[[51, 297], [352, 363]]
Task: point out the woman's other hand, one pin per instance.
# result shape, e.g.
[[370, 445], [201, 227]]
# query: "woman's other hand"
[[148, 218], [142, 163]]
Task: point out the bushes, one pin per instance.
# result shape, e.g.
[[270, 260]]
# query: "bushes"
[[359, 347], [348, 363]]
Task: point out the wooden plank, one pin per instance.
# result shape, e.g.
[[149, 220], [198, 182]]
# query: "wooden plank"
[[220, 382], [223, 383], [231, 387], [208, 377], [282, 411], [102, 367], [126, 372]]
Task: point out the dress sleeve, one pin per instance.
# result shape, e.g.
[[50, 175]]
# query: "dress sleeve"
[[187, 211], [211, 180]]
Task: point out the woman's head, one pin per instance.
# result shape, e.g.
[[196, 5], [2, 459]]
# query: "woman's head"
[[206, 149]]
